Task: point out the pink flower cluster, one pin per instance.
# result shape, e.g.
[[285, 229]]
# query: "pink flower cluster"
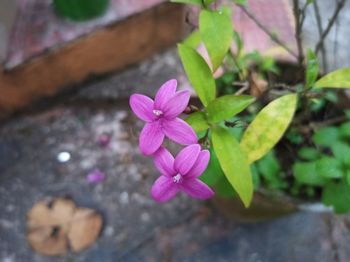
[[161, 117]]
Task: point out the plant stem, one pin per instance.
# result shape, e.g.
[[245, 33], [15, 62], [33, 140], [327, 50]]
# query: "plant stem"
[[340, 5], [313, 126], [299, 16], [320, 30], [266, 30]]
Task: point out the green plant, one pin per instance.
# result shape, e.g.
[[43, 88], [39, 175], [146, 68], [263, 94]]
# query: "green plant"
[[245, 157]]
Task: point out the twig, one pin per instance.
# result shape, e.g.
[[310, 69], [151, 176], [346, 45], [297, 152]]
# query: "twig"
[[244, 88], [320, 30], [312, 126], [340, 5], [266, 30], [299, 20], [283, 86]]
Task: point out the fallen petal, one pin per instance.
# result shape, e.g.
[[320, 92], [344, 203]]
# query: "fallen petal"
[[164, 189], [197, 189], [151, 138], [165, 93], [200, 165], [95, 177], [164, 162], [179, 131], [142, 106], [186, 158], [104, 139]]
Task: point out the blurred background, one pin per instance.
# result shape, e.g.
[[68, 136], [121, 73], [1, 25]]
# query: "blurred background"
[[67, 69]]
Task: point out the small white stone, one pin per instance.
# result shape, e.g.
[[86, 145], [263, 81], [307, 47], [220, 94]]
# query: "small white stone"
[[124, 198], [145, 217], [63, 157], [109, 231]]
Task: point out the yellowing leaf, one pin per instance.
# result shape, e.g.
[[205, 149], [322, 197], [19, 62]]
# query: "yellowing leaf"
[[337, 79], [268, 127]]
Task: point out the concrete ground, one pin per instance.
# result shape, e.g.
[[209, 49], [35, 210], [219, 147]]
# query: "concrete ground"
[[135, 227]]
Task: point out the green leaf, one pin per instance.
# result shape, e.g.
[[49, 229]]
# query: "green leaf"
[[337, 79], [216, 30], [294, 136], [268, 127], [198, 73], [337, 195], [308, 153], [331, 97], [193, 2], [344, 130], [224, 189], [193, 40], [328, 167], [347, 113], [311, 68], [238, 42], [234, 163], [255, 176], [197, 121], [347, 175], [326, 136], [213, 172], [305, 173], [80, 10], [227, 106], [341, 151], [240, 2], [270, 169], [208, 2]]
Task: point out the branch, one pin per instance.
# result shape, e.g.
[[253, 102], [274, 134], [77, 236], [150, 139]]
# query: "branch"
[[340, 5], [313, 126], [299, 16], [266, 30], [320, 30]]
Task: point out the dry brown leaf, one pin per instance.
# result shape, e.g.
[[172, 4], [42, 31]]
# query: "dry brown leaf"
[[85, 227], [49, 241], [53, 226], [257, 86]]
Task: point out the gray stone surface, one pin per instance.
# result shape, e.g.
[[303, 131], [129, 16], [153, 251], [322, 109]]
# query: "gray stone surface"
[[135, 227]]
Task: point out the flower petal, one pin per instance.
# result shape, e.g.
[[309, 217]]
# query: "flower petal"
[[164, 189], [165, 93], [200, 165], [179, 131], [186, 158], [164, 162], [197, 189], [142, 106], [176, 105], [151, 138]]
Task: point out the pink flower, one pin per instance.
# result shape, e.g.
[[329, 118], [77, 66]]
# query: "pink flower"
[[181, 173], [161, 119], [95, 176]]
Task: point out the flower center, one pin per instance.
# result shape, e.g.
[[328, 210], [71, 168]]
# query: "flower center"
[[177, 179], [157, 112]]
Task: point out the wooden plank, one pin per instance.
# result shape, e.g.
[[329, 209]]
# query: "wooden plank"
[[108, 49]]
